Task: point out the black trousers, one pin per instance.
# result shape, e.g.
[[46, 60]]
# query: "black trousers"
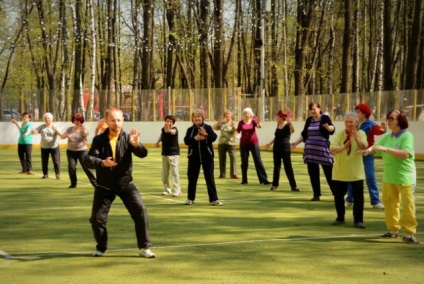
[[340, 190], [55, 153], [193, 172], [313, 171], [288, 168], [131, 198], [259, 166], [73, 158], [25, 152]]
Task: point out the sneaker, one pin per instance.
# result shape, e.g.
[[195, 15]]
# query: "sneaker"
[[216, 203], [347, 203], [338, 222], [235, 177], [378, 206], [30, 173], [57, 176], [273, 188], [189, 202], [177, 194], [410, 240], [359, 225], [295, 189], [147, 253], [22, 172], [98, 253], [266, 182], [389, 235], [45, 176], [315, 198]]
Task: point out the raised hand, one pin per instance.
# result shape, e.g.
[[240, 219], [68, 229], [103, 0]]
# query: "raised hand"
[[134, 137]]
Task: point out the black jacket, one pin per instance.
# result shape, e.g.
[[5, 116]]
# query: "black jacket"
[[322, 129], [201, 149], [121, 175]]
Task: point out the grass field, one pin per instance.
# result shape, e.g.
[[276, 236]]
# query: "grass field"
[[258, 236]]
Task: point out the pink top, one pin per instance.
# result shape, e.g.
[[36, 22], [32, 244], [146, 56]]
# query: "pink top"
[[248, 133]]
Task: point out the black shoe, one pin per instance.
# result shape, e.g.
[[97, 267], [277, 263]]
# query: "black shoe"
[[57, 176], [359, 225], [315, 198], [338, 222], [45, 176], [244, 182], [266, 183], [273, 188], [72, 186], [295, 189]]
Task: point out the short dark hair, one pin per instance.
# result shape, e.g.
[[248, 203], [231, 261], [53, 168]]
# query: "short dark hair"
[[78, 117], [171, 117], [312, 104], [402, 119], [26, 113]]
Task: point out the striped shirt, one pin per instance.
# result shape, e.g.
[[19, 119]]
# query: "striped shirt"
[[316, 150]]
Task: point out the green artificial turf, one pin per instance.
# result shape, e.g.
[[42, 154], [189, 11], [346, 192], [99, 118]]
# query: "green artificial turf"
[[258, 236]]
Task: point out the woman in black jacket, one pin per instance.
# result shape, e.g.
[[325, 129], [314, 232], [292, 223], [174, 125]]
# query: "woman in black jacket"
[[199, 138], [316, 135]]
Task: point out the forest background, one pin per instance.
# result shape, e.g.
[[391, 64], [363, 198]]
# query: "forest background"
[[55, 50]]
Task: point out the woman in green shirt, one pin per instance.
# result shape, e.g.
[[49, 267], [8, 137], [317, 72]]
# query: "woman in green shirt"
[[399, 177]]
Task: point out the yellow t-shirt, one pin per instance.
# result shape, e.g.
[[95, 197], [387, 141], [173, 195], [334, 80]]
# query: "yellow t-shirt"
[[348, 167], [112, 142]]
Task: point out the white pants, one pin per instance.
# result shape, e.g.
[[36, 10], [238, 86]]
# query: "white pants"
[[170, 164]]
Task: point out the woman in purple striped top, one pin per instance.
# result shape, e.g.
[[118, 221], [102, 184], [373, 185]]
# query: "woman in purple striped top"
[[316, 135]]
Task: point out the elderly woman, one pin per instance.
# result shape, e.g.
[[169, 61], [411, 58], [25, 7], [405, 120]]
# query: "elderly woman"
[[249, 142], [316, 136], [77, 149], [371, 128], [170, 156], [399, 177], [227, 144], [199, 138], [281, 150], [25, 143], [49, 144], [345, 146]]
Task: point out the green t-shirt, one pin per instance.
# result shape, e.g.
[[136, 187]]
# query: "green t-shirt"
[[22, 131], [395, 170], [348, 167]]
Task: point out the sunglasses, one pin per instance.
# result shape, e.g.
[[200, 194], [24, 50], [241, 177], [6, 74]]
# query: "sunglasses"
[[391, 118]]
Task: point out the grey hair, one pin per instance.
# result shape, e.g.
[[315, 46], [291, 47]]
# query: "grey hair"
[[48, 114], [248, 110], [353, 115], [199, 112]]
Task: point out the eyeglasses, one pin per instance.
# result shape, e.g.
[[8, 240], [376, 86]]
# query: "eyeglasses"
[[391, 118]]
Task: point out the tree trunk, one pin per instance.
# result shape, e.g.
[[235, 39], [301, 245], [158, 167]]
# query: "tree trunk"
[[345, 84], [412, 60]]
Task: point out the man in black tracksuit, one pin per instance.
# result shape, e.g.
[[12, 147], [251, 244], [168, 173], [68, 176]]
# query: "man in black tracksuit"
[[111, 155]]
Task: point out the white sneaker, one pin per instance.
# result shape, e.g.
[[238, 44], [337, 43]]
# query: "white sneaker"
[[378, 206], [216, 203], [147, 253], [167, 192], [189, 202], [347, 203], [177, 194], [98, 253]]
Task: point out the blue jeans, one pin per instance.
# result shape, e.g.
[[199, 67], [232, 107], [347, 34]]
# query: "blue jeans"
[[371, 182]]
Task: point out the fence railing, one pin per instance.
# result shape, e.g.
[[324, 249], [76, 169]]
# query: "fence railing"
[[154, 105]]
